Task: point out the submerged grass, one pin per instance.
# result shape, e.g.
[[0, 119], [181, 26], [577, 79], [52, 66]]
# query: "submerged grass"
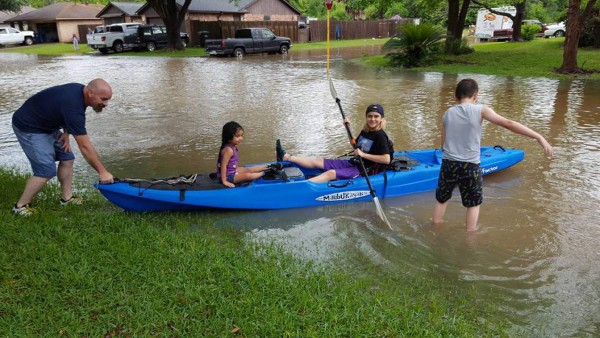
[[98, 271], [67, 48], [537, 58]]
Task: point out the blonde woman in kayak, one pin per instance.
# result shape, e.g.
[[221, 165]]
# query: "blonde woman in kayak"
[[373, 146]]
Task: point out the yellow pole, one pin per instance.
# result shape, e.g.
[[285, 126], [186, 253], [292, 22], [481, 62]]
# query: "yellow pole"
[[328, 43]]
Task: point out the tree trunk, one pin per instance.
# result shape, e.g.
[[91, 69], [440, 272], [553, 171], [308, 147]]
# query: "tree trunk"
[[172, 16], [575, 21], [518, 20], [457, 14]]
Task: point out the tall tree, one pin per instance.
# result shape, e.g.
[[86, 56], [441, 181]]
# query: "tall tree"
[[457, 13], [172, 15], [11, 5], [575, 21], [517, 19]]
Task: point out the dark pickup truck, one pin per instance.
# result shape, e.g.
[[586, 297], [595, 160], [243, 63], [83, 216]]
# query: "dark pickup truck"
[[249, 41]]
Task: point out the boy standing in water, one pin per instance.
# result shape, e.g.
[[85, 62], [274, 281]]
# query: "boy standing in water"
[[461, 143]]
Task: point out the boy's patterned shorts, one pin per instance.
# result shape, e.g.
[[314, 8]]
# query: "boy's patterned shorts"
[[467, 176]]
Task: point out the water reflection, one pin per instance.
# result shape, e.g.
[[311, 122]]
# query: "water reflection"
[[536, 255]]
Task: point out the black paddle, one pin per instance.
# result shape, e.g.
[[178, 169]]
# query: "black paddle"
[[360, 161]]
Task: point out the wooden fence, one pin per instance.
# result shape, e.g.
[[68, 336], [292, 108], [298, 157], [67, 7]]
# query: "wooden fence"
[[317, 30]]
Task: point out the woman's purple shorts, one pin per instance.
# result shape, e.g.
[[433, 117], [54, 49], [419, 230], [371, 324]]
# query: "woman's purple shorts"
[[343, 168]]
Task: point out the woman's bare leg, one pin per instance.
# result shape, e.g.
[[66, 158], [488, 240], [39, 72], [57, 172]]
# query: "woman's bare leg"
[[306, 162]]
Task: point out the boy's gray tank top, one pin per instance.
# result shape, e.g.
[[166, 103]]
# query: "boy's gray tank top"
[[463, 133]]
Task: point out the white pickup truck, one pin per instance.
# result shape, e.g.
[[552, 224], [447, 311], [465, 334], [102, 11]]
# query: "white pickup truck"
[[117, 37], [12, 36]]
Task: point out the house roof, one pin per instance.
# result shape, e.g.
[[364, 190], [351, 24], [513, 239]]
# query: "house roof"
[[60, 11], [128, 8], [5, 15], [219, 6]]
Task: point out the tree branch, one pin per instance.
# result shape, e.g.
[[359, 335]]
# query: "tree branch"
[[512, 17]]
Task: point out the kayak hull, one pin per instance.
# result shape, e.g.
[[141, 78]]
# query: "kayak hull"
[[298, 191]]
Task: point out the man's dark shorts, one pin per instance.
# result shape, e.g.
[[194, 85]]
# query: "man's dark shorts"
[[467, 176]]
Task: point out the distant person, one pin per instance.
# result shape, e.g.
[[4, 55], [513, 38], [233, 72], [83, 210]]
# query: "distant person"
[[338, 32], [461, 145], [228, 172], [43, 125], [75, 42], [373, 146]]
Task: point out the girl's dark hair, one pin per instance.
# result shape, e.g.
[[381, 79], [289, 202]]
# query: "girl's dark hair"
[[466, 88], [229, 131]]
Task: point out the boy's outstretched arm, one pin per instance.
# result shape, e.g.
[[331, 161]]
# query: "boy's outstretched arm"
[[489, 114]]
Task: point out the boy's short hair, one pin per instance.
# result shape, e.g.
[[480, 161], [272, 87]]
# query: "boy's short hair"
[[466, 88]]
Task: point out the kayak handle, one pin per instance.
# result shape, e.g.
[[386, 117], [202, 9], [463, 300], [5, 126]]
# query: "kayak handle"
[[339, 185]]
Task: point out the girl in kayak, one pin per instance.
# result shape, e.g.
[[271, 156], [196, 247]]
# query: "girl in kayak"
[[373, 146], [228, 172]]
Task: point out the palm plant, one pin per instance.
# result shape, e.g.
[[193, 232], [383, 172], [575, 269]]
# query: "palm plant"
[[414, 44]]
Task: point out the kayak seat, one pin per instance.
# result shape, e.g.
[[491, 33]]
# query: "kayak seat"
[[286, 174], [400, 163], [292, 174]]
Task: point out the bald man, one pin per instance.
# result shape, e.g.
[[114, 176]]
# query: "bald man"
[[43, 125]]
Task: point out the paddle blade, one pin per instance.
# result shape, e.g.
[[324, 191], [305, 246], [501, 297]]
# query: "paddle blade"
[[380, 212], [332, 89]]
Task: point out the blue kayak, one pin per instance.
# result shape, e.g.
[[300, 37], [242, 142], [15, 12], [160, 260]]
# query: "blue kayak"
[[416, 171]]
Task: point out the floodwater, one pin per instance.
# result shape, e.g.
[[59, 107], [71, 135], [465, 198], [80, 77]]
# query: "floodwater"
[[536, 255]]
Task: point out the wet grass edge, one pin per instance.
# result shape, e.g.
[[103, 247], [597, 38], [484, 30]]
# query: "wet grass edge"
[[99, 271]]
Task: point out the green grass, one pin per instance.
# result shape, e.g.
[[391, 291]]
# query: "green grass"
[[537, 58], [48, 49], [338, 44], [95, 270], [67, 48]]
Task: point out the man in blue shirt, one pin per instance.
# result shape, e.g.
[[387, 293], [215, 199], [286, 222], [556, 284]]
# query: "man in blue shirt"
[[43, 125]]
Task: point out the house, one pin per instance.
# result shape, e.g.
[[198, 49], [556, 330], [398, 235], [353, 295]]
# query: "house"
[[59, 21], [121, 12], [223, 10], [213, 16], [5, 15]]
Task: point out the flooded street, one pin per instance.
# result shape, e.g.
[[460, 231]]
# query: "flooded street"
[[536, 255]]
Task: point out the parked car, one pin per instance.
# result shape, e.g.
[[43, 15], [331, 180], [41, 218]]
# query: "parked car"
[[98, 29], [12, 36], [506, 34], [117, 37], [556, 30], [249, 41], [150, 37], [535, 22]]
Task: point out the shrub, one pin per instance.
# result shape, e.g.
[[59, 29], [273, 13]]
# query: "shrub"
[[529, 31], [414, 45], [459, 47], [590, 34]]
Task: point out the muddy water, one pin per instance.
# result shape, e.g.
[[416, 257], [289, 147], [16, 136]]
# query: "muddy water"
[[536, 255]]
